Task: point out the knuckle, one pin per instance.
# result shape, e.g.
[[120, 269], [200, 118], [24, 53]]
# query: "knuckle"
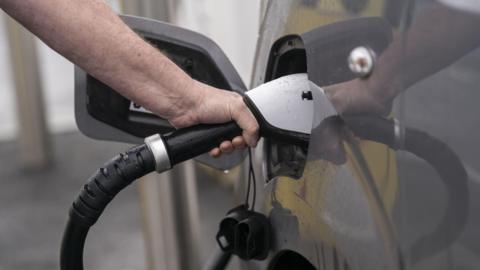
[[253, 129]]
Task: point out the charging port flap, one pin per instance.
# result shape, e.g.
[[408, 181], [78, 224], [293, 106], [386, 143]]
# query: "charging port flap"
[[102, 113]]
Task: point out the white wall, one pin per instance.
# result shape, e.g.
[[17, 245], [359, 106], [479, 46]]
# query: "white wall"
[[233, 25], [57, 83], [7, 104]]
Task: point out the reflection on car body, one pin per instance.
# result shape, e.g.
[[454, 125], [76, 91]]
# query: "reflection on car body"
[[370, 205]]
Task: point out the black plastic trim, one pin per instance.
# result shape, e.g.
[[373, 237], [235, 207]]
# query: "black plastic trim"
[[98, 120], [272, 132]]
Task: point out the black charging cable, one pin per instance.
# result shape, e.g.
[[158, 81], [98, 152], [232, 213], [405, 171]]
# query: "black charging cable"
[[101, 188], [438, 155], [251, 183], [159, 153], [163, 152]]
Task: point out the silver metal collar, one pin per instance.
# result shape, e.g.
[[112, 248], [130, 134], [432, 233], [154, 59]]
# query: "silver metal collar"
[[157, 147]]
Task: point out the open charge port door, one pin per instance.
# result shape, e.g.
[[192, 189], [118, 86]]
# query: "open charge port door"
[[322, 53], [287, 56]]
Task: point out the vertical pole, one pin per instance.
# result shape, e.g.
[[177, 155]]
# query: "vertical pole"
[[33, 140], [170, 211], [160, 10], [171, 223], [169, 201], [263, 9]]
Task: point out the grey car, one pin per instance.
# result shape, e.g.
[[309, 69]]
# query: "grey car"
[[389, 181]]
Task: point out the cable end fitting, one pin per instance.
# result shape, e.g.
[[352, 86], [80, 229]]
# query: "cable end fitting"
[[156, 145], [399, 134]]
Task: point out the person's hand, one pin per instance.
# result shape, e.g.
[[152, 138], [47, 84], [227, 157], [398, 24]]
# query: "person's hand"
[[353, 97], [210, 105], [360, 96], [327, 139]]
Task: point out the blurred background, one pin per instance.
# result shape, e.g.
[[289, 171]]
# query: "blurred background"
[[45, 160], [169, 221]]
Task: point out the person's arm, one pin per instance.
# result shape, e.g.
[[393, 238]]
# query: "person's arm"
[[438, 36], [91, 35]]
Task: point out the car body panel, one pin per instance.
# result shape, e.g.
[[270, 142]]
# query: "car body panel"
[[370, 211]]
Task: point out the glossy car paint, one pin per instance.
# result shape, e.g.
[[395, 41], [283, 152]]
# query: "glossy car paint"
[[371, 210]]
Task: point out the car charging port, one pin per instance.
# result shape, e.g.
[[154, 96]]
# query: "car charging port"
[[287, 56]]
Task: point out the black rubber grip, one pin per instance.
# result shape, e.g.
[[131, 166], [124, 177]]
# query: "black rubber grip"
[[280, 135], [106, 182], [101, 188], [372, 128], [190, 142]]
